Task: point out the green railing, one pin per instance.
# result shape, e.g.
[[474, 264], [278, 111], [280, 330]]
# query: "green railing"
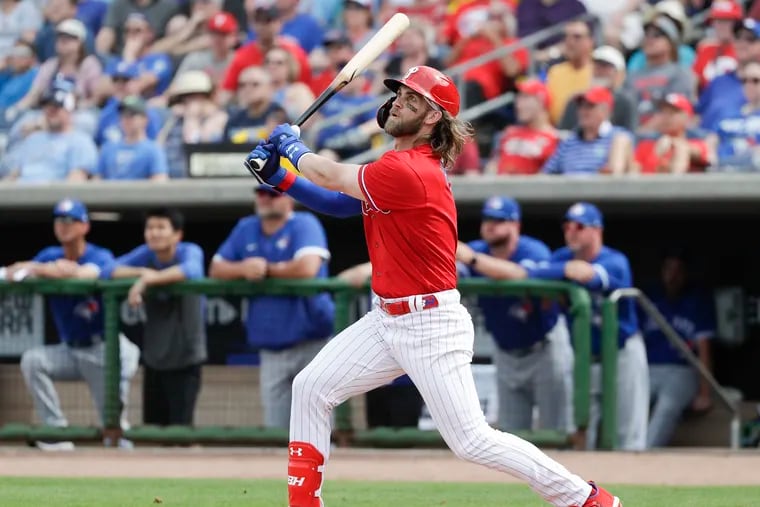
[[113, 292]]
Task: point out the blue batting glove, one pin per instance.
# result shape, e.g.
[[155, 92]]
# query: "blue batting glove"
[[263, 162], [285, 139]]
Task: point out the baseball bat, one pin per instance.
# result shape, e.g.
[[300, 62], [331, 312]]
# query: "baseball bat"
[[379, 42]]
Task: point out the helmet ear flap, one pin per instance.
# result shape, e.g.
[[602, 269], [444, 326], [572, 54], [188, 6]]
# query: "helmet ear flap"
[[384, 111]]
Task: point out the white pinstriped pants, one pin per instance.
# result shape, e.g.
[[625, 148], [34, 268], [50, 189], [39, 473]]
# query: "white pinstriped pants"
[[435, 348]]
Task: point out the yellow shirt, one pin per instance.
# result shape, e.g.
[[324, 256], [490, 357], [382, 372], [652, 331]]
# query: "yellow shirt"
[[563, 82]]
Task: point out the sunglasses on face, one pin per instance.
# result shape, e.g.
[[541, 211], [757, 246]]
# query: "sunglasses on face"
[[575, 226], [493, 220], [749, 79], [66, 220], [653, 33], [575, 36], [249, 84]]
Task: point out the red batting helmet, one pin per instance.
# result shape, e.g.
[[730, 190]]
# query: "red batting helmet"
[[432, 84]]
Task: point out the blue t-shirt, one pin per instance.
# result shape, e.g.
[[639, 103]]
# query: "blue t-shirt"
[[188, 256], [78, 319], [692, 315], [304, 29], [686, 57], [279, 322], [517, 322], [576, 156], [109, 125], [49, 156], [158, 64], [125, 161], [723, 96], [13, 87], [738, 135]]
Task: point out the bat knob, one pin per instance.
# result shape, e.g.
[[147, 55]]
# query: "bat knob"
[[254, 165]]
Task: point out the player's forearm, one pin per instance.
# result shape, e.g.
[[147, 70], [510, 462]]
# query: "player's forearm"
[[704, 354], [498, 269], [323, 201], [129, 271], [547, 271], [226, 270], [304, 267], [166, 276], [327, 173]]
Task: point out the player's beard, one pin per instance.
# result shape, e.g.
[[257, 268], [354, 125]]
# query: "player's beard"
[[397, 127], [271, 214], [500, 241]]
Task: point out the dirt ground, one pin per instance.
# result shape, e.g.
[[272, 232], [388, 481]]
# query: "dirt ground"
[[681, 467]]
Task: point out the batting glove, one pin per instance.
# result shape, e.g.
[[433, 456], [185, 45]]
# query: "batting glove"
[[263, 162], [285, 138]]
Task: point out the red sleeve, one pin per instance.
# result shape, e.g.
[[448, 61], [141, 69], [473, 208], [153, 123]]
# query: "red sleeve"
[[646, 156], [522, 56], [390, 183]]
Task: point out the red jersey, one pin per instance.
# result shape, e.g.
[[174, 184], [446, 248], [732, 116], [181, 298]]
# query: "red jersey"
[[713, 60], [651, 161], [410, 223], [251, 54], [523, 150]]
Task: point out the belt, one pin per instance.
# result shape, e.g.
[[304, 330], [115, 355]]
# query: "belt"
[[526, 351], [427, 302]]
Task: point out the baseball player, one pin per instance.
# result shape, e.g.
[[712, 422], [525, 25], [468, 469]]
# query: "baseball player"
[[674, 384], [418, 325], [534, 358], [288, 331], [78, 319], [601, 269]]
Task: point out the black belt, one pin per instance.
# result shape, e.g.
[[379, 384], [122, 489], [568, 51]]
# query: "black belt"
[[526, 351]]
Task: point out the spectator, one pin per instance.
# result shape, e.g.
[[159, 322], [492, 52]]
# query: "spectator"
[[174, 336], [413, 48], [674, 10], [224, 37], [537, 15], [737, 135], [662, 74], [258, 113], [135, 157], [194, 118], [109, 122], [351, 136], [78, 321], [110, 38], [55, 12], [524, 148], [717, 56], [608, 71], [17, 78], [188, 34], [596, 146], [55, 152], [572, 76], [267, 23], [468, 162], [288, 331], [92, 13], [358, 21], [671, 151], [300, 26], [20, 19], [534, 357], [338, 51], [292, 95], [601, 269]]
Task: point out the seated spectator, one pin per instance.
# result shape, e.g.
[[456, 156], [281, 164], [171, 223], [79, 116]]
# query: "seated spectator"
[[20, 19], [572, 76], [292, 95], [670, 150], [468, 161], [347, 138], [608, 71], [17, 78], [413, 48], [737, 136], [134, 157], [297, 25], [674, 384], [92, 13], [717, 56], [338, 51], [111, 38], [662, 74], [358, 21], [55, 152], [596, 146], [524, 148], [185, 34], [258, 113], [55, 12], [674, 10]]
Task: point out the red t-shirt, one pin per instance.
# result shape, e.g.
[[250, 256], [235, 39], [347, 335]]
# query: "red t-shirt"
[[523, 150], [251, 54], [713, 60], [650, 161], [410, 223], [490, 75]]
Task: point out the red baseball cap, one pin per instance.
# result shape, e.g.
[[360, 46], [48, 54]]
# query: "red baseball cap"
[[597, 95], [222, 22], [726, 9], [536, 88], [679, 102]]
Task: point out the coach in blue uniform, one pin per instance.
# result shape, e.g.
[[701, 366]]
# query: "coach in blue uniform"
[[534, 359], [278, 242], [601, 269], [674, 384], [78, 319]]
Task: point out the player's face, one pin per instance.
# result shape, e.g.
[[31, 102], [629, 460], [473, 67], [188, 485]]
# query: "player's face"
[[409, 113], [499, 233], [577, 235], [750, 76], [272, 206], [527, 108], [674, 121], [67, 230], [673, 274], [160, 235]]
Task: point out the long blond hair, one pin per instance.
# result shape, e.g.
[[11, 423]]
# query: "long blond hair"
[[449, 137]]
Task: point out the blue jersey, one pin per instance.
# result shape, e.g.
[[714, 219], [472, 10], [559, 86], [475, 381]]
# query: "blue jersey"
[[279, 322], [188, 256], [158, 64], [517, 322], [692, 315], [109, 126], [723, 95], [78, 319], [131, 161], [738, 135]]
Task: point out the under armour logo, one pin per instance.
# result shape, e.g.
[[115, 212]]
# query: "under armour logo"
[[296, 481], [296, 451]]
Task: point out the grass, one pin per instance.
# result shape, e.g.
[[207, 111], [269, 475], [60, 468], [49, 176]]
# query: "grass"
[[27, 492]]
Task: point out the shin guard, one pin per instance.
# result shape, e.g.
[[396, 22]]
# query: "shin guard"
[[305, 467]]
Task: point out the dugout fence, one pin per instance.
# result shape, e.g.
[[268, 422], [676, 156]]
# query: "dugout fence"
[[114, 291]]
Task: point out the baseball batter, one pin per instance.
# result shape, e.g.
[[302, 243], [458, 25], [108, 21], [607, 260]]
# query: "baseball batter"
[[418, 325]]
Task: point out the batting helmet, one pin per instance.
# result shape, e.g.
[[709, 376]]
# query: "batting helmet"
[[432, 84]]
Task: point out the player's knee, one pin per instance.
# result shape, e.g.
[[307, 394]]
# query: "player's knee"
[[31, 362], [470, 447]]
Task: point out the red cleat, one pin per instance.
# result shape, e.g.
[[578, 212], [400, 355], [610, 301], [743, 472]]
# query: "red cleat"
[[600, 497]]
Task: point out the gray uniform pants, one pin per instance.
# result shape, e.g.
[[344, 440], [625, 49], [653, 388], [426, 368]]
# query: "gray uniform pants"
[[277, 371], [542, 379], [632, 397], [41, 366], [672, 388]]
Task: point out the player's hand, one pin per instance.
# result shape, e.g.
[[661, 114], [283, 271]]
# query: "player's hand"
[[702, 403], [263, 162], [285, 139], [135, 295], [579, 271], [255, 268], [66, 268]]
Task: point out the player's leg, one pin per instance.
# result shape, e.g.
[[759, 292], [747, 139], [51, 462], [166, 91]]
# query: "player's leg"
[[40, 366], [353, 362], [632, 395], [679, 385], [554, 381], [437, 353], [182, 386], [155, 406], [595, 406], [514, 392]]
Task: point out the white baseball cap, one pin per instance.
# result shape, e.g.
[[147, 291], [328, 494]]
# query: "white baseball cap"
[[608, 54], [72, 27]]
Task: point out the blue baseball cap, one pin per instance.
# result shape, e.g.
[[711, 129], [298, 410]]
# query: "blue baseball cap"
[[501, 207], [749, 25], [123, 70], [268, 189], [71, 208], [585, 213]]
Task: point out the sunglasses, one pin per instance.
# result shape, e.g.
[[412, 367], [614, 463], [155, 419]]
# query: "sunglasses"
[[653, 33], [274, 62], [576, 36], [573, 226], [252, 84], [494, 220], [753, 80], [66, 220]]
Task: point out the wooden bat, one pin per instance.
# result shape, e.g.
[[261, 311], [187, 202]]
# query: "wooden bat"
[[374, 47]]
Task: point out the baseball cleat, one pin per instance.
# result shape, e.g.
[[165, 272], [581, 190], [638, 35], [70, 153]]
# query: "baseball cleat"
[[600, 497]]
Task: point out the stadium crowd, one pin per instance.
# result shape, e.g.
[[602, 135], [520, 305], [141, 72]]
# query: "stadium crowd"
[[124, 89]]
